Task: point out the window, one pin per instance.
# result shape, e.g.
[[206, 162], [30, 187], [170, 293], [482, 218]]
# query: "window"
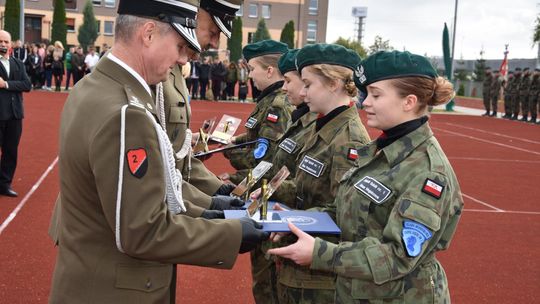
[[70, 23], [311, 35], [108, 28], [96, 2], [313, 7], [110, 3], [266, 11], [253, 10], [98, 25], [71, 4], [240, 12]]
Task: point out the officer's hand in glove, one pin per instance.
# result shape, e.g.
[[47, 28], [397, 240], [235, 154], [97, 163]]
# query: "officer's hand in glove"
[[252, 235], [221, 202], [213, 214], [225, 189]]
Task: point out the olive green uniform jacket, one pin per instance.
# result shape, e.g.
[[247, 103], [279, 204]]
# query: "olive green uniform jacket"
[[384, 190], [118, 241], [321, 163]]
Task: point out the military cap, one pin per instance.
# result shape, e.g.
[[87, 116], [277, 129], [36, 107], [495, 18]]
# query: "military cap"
[[322, 53], [496, 71], [510, 72], [181, 14], [287, 62], [223, 12], [265, 47], [537, 70], [525, 69], [518, 69], [388, 65]]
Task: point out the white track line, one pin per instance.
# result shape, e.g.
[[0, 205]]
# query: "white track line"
[[498, 160], [487, 141], [25, 199], [493, 133], [482, 203], [506, 211]]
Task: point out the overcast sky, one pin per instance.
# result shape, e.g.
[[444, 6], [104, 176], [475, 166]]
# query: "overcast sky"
[[417, 25]]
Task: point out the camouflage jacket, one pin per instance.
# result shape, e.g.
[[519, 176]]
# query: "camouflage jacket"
[[535, 87], [487, 85], [270, 119], [395, 208], [507, 85], [524, 85], [325, 157], [514, 86]]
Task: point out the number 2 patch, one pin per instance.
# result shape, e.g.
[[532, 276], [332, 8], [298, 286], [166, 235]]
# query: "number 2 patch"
[[137, 162]]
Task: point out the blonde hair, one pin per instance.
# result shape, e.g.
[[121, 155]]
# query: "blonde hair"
[[330, 72], [58, 44], [270, 60], [429, 91]]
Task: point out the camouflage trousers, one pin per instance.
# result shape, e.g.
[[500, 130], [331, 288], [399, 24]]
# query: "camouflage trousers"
[[508, 105], [494, 102], [533, 105], [487, 100], [263, 272], [290, 295], [520, 102]]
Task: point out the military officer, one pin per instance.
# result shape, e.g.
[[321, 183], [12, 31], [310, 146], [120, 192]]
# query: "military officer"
[[400, 203], [272, 114], [486, 92], [507, 85], [495, 92], [524, 87], [122, 227], [330, 149], [534, 94], [515, 93]]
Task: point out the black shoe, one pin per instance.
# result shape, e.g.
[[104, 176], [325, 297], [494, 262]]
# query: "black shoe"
[[524, 118], [494, 114], [507, 116], [486, 114], [533, 120], [514, 117], [8, 192]]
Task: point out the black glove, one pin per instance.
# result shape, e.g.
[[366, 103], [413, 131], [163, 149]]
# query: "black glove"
[[213, 214], [252, 235], [221, 202], [225, 189]]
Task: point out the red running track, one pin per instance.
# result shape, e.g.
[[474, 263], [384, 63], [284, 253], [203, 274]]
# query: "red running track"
[[494, 258]]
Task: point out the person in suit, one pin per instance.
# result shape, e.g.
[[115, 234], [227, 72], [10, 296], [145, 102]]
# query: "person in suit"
[[122, 227], [13, 81]]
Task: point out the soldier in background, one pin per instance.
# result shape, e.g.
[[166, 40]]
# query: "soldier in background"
[[486, 92], [534, 93], [524, 94], [514, 91], [507, 85], [495, 92]]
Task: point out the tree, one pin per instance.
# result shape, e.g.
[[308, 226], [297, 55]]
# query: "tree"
[[480, 68], [380, 45], [262, 32], [234, 45], [12, 18], [59, 27], [353, 45], [287, 34], [88, 30], [536, 38]]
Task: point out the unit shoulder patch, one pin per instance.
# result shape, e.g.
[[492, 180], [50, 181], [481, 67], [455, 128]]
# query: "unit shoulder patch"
[[137, 161], [414, 235]]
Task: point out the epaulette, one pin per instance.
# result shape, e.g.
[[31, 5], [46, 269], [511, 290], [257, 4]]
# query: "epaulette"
[[133, 100]]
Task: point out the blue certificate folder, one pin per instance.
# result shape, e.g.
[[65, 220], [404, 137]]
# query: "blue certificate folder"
[[308, 221]]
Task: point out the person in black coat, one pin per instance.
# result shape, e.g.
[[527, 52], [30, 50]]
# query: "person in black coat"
[[217, 75], [204, 75], [13, 81]]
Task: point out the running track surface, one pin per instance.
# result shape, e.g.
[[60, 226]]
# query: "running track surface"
[[494, 257]]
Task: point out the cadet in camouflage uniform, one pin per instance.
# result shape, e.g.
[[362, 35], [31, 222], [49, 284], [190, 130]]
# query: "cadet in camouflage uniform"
[[486, 92], [272, 114], [524, 87], [495, 92], [329, 151], [534, 93], [507, 85], [401, 202], [514, 90]]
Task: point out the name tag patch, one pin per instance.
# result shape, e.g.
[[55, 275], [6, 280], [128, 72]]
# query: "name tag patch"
[[414, 235], [311, 166], [288, 145], [251, 123], [373, 189], [433, 188]]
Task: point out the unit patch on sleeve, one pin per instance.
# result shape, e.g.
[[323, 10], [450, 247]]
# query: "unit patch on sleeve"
[[272, 117], [373, 189], [311, 166], [251, 122], [288, 145], [414, 235], [353, 154], [433, 188], [138, 162]]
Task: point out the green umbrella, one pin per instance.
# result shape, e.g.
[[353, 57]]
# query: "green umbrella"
[[447, 61]]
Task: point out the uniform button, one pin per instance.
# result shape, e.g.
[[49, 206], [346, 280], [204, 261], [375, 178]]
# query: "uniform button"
[[220, 263], [148, 284]]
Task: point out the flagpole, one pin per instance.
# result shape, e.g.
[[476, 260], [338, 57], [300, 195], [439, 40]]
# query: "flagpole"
[[21, 23], [454, 38]]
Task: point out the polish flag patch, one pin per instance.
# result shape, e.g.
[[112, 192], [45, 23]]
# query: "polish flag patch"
[[272, 117], [137, 162], [353, 154], [433, 188]]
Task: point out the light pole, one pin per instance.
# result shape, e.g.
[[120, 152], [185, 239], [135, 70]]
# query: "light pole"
[[454, 39], [21, 23]]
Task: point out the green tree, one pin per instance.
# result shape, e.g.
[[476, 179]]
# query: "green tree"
[[353, 45], [12, 17], [480, 68], [88, 30], [262, 32], [234, 45], [287, 34], [536, 37], [380, 45], [59, 27]]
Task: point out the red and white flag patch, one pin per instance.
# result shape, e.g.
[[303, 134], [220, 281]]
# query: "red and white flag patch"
[[272, 117], [353, 154], [433, 188], [137, 162]]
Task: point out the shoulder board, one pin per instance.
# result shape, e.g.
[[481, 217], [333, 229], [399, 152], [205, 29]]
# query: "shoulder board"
[[132, 99]]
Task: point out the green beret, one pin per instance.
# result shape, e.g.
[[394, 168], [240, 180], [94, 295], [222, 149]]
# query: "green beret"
[[287, 61], [265, 47], [388, 65], [322, 53]]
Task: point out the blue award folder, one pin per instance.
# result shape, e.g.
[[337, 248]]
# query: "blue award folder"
[[277, 221]]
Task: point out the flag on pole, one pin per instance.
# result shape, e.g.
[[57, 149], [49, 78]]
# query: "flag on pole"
[[504, 65]]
